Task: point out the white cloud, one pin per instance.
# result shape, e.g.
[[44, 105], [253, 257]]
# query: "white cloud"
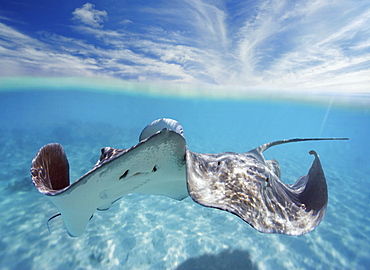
[[90, 16], [125, 21], [24, 55], [274, 44], [303, 46], [62, 56]]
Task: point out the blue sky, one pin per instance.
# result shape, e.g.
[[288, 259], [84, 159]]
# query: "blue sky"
[[316, 45]]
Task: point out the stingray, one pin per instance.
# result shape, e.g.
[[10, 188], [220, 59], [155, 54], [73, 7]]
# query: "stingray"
[[244, 184]]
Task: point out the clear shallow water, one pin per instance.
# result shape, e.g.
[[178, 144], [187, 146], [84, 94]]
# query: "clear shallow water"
[[154, 232]]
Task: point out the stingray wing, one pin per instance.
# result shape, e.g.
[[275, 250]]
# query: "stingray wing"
[[156, 165], [249, 187]]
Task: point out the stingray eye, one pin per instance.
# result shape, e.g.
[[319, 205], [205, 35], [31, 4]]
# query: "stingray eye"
[[34, 172], [155, 168]]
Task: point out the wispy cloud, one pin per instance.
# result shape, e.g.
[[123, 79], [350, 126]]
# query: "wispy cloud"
[[273, 44], [24, 55], [297, 47]]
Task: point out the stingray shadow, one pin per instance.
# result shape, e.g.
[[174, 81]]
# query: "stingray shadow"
[[227, 259]]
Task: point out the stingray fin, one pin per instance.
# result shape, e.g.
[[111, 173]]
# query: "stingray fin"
[[50, 169], [251, 189], [156, 165], [314, 196], [47, 223]]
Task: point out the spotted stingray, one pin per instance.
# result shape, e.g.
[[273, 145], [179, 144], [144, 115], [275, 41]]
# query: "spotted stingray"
[[244, 184]]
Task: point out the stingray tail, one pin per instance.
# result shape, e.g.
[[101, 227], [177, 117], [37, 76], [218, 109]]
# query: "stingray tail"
[[266, 146], [50, 169]]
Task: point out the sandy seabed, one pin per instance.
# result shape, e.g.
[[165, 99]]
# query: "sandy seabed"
[[154, 232]]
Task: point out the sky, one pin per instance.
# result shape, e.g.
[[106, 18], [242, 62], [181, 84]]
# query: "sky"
[[312, 46]]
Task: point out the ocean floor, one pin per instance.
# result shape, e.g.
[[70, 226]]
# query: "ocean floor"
[[154, 232]]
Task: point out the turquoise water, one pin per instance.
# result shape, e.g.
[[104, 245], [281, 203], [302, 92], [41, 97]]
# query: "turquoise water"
[[154, 232]]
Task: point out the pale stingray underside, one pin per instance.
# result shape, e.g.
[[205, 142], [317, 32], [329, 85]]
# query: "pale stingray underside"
[[244, 184], [154, 166]]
